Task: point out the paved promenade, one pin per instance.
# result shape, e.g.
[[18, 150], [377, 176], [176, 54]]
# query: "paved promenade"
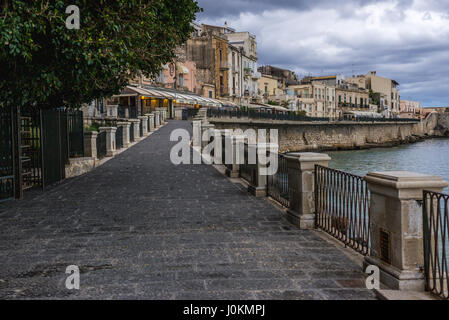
[[140, 227]]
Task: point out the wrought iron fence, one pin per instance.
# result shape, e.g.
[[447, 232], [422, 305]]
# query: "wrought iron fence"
[[291, 116], [131, 132], [247, 170], [76, 134], [189, 113], [119, 138], [277, 184], [342, 202], [7, 178], [101, 145], [436, 242], [216, 113]]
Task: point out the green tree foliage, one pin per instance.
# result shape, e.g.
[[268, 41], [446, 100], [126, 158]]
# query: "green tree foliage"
[[43, 62]]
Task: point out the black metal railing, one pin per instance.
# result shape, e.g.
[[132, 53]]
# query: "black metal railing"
[[76, 134], [342, 202], [131, 132], [436, 242], [277, 184], [119, 138], [6, 154], [189, 113], [217, 113], [248, 170], [101, 145]]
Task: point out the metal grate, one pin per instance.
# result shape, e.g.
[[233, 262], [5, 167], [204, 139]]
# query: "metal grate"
[[277, 184], [101, 145], [76, 134], [248, 171], [342, 202], [119, 138], [436, 242], [385, 246], [6, 155], [131, 132]]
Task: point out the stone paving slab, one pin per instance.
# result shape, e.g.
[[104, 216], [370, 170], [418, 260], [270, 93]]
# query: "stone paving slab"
[[140, 227]]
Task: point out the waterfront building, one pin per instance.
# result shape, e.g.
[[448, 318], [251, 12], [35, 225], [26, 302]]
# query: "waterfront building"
[[247, 45], [351, 98], [386, 88], [333, 80], [316, 99], [410, 109]]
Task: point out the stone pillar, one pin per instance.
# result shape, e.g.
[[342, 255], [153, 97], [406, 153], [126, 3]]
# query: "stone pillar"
[[258, 185], [111, 111], [151, 122], [110, 140], [157, 116], [301, 185], [125, 126], [396, 226], [90, 144], [232, 170], [165, 116], [144, 123], [136, 129]]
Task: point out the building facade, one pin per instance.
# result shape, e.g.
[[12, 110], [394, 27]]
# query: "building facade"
[[410, 109], [386, 88], [316, 99]]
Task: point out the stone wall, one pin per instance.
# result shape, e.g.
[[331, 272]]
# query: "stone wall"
[[79, 166], [307, 136]]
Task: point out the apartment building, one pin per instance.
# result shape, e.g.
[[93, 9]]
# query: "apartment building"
[[316, 99], [387, 89]]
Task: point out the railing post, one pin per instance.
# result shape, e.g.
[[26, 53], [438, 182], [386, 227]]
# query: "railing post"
[[110, 140], [151, 122], [90, 144], [144, 123], [232, 169], [136, 128], [125, 126], [396, 226], [157, 115], [301, 186]]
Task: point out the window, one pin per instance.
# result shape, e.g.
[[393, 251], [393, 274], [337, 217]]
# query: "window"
[[361, 101], [210, 93], [266, 89], [339, 98], [181, 80]]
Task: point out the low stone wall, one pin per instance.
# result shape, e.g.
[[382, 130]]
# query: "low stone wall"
[[308, 136], [79, 166]]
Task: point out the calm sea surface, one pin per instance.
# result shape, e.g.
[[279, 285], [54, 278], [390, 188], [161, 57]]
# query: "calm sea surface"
[[430, 157]]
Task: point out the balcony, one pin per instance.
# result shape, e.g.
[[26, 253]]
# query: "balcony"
[[224, 66], [256, 76]]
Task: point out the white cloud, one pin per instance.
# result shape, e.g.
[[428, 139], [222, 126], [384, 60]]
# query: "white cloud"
[[406, 41]]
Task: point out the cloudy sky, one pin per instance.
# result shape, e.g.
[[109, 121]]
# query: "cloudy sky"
[[407, 40]]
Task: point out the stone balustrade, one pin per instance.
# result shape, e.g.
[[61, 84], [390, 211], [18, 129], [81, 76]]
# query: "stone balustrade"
[[126, 127], [110, 140], [90, 144]]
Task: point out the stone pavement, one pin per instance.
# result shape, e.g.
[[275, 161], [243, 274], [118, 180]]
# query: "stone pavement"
[[140, 227]]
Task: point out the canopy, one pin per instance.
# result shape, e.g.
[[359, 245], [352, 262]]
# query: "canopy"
[[162, 93]]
